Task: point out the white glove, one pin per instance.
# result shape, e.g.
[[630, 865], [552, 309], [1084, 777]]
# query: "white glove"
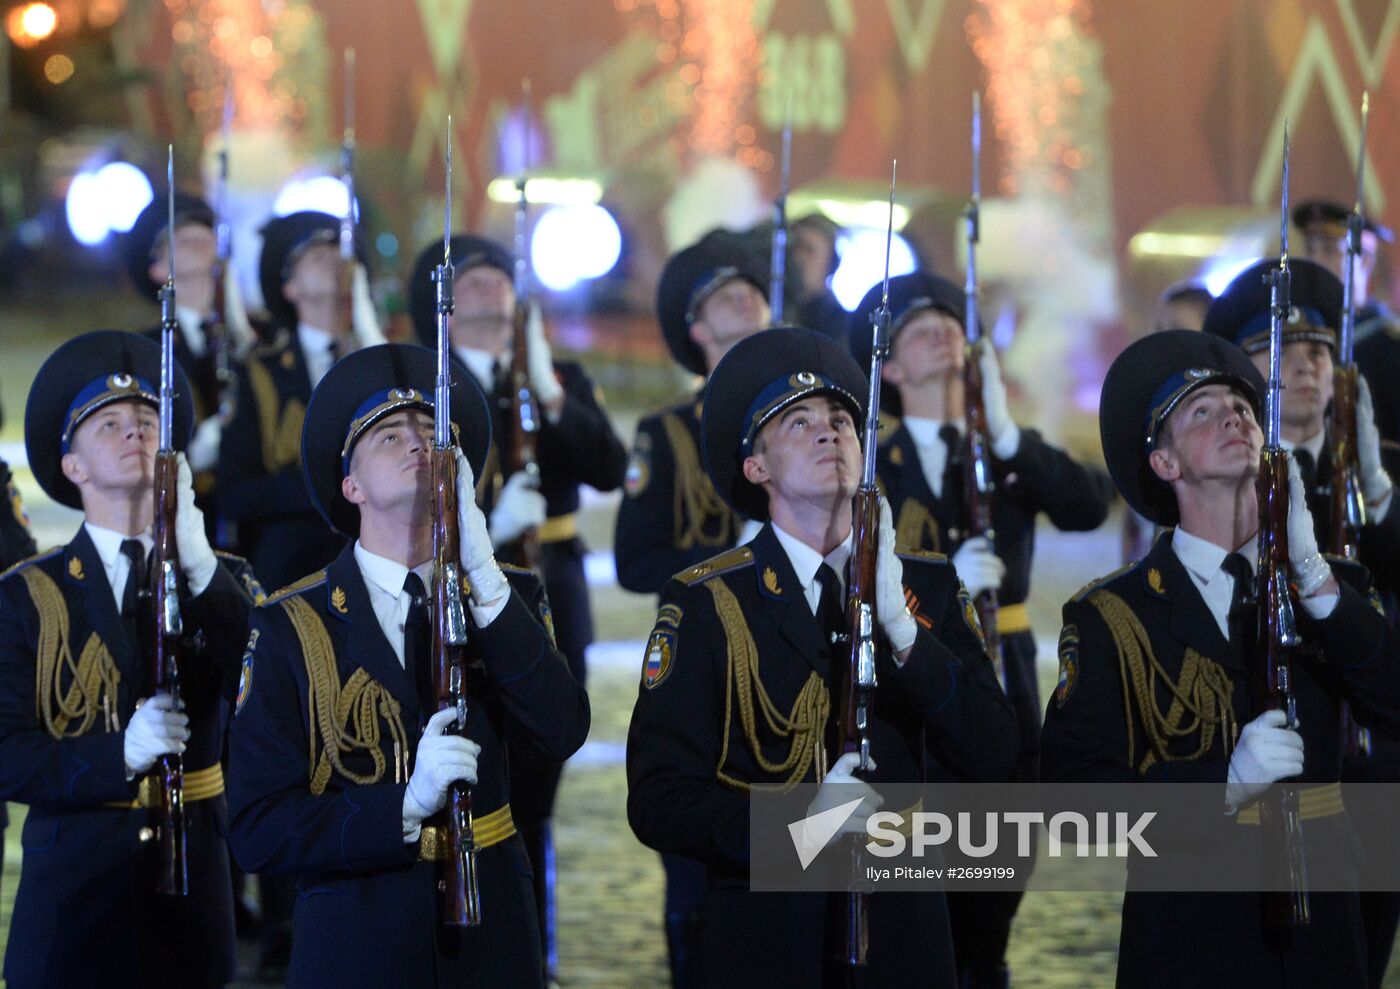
[[478, 557], [364, 317], [1266, 753], [1310, 570], [519, 507], [841, 787], [1002, 432], [547, 387], [203, 451], [197, 558], [978, 566], [899, 625], [441, 761], [1375, 482], [750, 531], [156, 729]]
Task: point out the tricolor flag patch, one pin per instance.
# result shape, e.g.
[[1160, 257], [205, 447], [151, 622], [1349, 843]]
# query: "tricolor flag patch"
[[661, 650]]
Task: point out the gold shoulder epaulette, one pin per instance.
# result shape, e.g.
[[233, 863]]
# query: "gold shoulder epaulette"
[[1094, 585], [723, 563], [306, 583], [888, 425], [30, 561], [922, 554]]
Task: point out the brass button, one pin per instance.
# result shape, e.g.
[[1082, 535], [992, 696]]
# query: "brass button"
[[146, 834]]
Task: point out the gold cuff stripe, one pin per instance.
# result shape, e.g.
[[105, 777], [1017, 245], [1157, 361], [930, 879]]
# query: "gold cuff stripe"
[[202, 784], [1013, 618], [1313, 802], [558, 529], [489, 829]]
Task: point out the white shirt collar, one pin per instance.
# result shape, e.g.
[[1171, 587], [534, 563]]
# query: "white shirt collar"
[[925, 431], [192, 326], [386, 574], [480, 363], [806, 561], [1203, 557], [1313, 444], [314, 340], [108, 542]]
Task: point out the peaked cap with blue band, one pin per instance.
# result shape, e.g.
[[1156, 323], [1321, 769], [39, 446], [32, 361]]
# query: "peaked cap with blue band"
[[909, 295], [690, 277], [284, 238], [360, 390], [1242, 313], [139, 244], [760, 377], [83, 376], [468, 252], [1145, 384]]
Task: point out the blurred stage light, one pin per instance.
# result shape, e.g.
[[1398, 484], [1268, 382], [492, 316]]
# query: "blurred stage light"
[[547, 189], [31, 23], [573, 244], [106, 201], [862, 253], [1222, 271], [323, 193], [58, 69]]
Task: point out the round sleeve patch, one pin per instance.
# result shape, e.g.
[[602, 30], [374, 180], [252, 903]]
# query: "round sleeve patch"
[[1069, 664]]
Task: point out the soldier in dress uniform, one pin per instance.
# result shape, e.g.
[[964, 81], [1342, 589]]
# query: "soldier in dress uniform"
[[338, 757], [782, 440], [1178, 419], [1324, 226], [1242, 315], [711, 296], [923, 470], [146, 251], [261, 488], [576, 445], [79, 725]]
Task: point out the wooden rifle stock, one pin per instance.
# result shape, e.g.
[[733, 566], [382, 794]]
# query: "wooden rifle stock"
[[1277, 641], [1348, 514], [524, 429], [978, 486], [458, 883], [856, 689], [167, 775]]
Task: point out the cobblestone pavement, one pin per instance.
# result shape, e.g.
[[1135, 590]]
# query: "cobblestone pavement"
[[610, 887]]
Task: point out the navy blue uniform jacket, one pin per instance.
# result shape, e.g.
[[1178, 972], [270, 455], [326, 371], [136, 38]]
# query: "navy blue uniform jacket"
[[87, 912], [367, 910]]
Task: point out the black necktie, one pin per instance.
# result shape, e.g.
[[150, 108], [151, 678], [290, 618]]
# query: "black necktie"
[[418, 644], [831, 609], [1243, 611], [952, 463], [135, 584]]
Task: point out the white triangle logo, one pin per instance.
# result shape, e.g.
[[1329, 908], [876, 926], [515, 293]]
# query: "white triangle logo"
[[811, 834]]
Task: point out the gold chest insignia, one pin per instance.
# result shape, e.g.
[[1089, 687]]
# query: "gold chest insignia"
[[770, 580], [288, 361], [1154, 581], [75, 568], [338, 600], [897, 457]]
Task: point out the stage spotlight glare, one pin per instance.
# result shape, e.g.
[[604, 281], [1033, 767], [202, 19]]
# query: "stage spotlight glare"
[[573, 244], [862, 253], [105, 201], [323, 193]]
